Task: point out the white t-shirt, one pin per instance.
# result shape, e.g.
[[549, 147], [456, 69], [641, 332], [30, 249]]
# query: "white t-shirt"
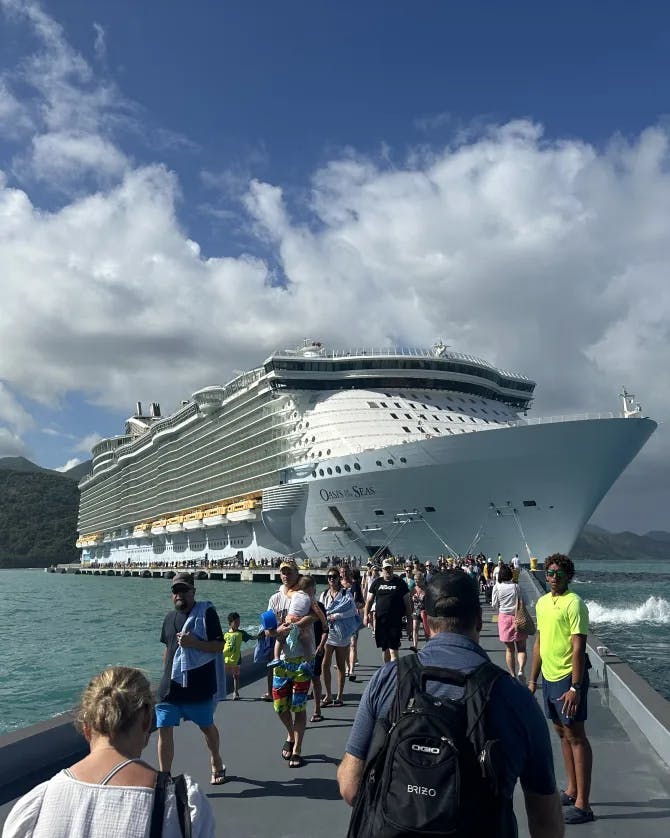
[[515, 562], [280, 603], [504, 597], [64, 807], [300, 604]]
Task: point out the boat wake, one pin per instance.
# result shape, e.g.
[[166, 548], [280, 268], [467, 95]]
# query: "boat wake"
[[654, 610]]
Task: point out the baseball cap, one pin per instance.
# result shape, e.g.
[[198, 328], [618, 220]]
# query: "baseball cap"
[[451, 594], [387, 563], [288, 563], [182, 579]]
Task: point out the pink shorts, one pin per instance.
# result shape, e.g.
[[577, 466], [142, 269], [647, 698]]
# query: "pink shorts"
[[507, 630]]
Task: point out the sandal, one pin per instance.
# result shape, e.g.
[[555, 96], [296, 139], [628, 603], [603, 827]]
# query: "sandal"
[[218, 776], [317, 717], [287, 749], [326, 702], [266, 697], [296, 761], [338, 703]]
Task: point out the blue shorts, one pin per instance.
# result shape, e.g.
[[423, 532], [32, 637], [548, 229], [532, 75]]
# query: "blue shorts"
[[200, 712], [551, 690]]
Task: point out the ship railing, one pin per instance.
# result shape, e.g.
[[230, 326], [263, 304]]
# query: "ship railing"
[[404, 352], [569, 417]]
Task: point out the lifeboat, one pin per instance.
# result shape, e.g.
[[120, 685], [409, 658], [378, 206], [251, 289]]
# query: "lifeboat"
[[193, 521], [96, 538], [175, 523], [142, 530], [158, 527], [246, 510], [214, 516]]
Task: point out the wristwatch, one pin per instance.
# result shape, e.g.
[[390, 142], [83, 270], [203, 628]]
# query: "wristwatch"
[[575, 687]]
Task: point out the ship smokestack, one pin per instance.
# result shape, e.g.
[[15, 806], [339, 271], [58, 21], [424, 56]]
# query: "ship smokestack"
[[154, 410], [138, 408]]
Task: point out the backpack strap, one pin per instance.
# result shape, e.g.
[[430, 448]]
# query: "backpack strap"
[[478, 686], [158, 809], [183, 810]]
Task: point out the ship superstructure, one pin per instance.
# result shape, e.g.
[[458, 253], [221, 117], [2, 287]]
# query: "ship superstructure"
[[358, 452]]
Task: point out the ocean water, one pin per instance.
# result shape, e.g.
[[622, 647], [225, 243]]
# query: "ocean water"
[[629, 610], [61, 629]]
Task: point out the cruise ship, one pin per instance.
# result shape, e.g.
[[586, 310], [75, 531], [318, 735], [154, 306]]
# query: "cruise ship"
[[366, 453]]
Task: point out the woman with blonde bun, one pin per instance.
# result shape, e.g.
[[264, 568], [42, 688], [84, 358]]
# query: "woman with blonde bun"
[[112, 791]]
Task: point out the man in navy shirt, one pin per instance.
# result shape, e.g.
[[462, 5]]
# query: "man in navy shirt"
[[513, 715]]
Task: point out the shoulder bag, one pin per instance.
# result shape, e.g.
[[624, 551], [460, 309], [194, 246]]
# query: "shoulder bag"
[[523, 620]]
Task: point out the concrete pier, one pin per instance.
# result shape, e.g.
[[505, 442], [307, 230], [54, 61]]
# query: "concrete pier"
[[221, 574], [264, 797]]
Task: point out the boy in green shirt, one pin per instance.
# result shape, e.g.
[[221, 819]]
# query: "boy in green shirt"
[[560, 652], [232, 650]]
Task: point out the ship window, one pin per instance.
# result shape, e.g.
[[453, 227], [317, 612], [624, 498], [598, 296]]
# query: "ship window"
[[320, 472], [383, 404], [437, 430], [394, 416], [413, 395], [313, 439], [397, 404], [320, 453], [379, 511], [408, 416], [347, 468], [484, 411], [328, 451], [460, 417], [421, 416], [390, 462], [307, 424], [427, 397], [411, 405], [379, 462], [338, 469], [403, 459], [373, 404], [357, 466], [529, 503], [430, 509], [405, 428], [329, 470]]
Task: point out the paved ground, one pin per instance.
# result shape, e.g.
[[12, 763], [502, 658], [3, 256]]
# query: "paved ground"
[[264, 797]]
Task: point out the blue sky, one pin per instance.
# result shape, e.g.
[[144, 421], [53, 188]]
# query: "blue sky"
[[186, 187]]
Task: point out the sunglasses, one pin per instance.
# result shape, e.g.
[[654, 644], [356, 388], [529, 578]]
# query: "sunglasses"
[[333, 576], [559, 574], [180, 590]]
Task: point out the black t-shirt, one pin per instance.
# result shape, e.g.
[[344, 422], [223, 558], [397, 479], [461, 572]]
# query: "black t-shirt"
[[201, 681], [389, 597]]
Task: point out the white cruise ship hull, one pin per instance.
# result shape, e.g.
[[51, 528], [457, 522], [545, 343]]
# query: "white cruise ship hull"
[[526, 489]]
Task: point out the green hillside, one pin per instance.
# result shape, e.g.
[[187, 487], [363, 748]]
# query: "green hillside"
[[38, 518]]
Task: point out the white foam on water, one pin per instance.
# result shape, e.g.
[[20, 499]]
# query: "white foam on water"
[[582, 582], [654, 610]]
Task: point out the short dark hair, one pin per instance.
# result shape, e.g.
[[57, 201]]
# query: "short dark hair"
[[505, 573], [564, 563], [233, 616], [452, 602]]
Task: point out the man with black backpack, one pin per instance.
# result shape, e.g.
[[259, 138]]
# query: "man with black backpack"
[[441, 738]]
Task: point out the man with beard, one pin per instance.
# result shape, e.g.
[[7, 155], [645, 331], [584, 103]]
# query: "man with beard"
[[193, 677]]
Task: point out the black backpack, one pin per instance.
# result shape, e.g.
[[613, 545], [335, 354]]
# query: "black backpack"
[[431, 770]]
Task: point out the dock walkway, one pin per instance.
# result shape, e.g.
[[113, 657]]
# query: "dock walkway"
[[264, 797]]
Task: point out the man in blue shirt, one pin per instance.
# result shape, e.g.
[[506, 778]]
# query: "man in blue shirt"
[[513, 716]]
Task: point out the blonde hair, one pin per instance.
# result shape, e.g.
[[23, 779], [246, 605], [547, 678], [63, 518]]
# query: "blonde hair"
[[305, 583], [113, 699]]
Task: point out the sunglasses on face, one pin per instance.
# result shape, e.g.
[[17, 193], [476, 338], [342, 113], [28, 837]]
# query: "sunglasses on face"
[[333, 576], [180, 590], [559, 574]]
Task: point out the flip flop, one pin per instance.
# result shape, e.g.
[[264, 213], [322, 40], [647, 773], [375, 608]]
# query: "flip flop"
[[338, 703], [287, 749], [567, 799], [326, 702], [574, 815], [218, 777], [296, 761], [317, 717], [266, 697]]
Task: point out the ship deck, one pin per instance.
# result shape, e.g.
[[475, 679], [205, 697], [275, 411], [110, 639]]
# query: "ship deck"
[[263, 796]]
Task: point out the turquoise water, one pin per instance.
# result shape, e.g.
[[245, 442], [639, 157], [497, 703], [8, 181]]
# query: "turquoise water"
[[62, 629]]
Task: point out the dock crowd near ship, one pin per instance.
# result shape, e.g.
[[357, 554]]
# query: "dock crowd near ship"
[[451, 770]]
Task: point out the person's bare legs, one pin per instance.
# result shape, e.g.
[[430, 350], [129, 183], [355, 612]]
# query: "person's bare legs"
[[211, 734], [509, 658], [327, 675], [581, 759], [165, 748], [316, 689], [341, 653], [415, 633], [353, 653], [286, 718], [393, 654], [386, 655], [521, 658]]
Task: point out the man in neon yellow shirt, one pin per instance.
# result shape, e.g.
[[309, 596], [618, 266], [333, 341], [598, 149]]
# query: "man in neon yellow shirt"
[[560, 652]]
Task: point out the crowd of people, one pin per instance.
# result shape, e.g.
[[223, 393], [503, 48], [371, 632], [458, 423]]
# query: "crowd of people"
[[302, 638]]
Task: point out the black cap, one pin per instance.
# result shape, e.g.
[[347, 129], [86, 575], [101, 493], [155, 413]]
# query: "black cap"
[[451, 594], [182, 579]]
